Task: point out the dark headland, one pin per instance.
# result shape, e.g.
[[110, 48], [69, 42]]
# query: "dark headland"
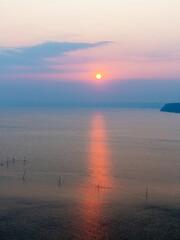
[[171, 107]]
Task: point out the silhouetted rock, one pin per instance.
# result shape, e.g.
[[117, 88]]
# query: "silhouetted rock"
[[171, 107]]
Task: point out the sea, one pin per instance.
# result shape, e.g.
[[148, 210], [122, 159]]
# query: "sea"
[[89, 174]]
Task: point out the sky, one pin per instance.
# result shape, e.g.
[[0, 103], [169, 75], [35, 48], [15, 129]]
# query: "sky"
[[61, 45]]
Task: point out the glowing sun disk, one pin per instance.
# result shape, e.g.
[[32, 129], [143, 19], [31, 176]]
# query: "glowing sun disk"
[[98, 76]]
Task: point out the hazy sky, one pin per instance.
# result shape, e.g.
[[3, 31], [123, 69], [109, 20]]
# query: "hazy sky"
[[72, 40]]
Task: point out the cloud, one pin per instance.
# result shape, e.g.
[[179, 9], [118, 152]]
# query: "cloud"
[[37, 56], [156, 56]]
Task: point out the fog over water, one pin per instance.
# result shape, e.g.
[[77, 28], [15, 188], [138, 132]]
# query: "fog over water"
[[46, 93]]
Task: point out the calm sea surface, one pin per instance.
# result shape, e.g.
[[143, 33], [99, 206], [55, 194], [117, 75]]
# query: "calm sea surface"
[[89, 174]]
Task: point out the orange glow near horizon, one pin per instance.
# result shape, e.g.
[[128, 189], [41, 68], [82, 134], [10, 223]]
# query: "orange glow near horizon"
[[98, 184]]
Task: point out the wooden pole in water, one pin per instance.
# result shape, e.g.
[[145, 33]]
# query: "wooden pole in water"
[[146, 192], [59, 180], [24, 175]]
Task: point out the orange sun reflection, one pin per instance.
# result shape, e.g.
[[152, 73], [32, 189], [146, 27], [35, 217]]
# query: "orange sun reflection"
[[98, 185], [99, 153]]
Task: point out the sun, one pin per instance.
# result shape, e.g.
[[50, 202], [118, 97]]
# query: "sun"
[[98, 76]]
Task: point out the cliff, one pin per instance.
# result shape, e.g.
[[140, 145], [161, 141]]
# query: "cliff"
[[171, 107]]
